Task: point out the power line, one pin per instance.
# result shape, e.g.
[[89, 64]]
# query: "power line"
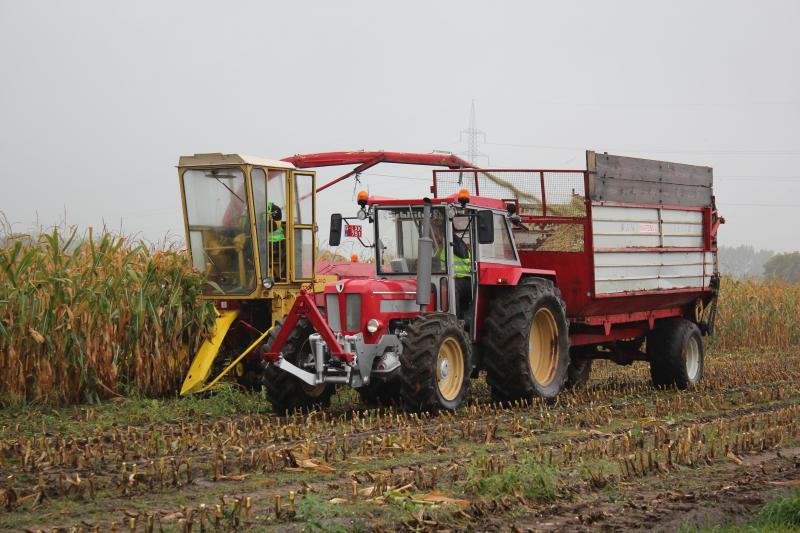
[[758, 205], [759, 178], [657, 151], [395, 176]]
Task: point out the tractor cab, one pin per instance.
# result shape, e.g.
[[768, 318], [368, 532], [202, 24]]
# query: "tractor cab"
[[461, 235], [249, 223]]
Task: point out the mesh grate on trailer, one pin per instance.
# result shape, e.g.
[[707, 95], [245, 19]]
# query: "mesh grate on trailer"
[[564, 194]]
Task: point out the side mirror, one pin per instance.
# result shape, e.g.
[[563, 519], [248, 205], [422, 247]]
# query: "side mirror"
[[336, 230], [485, 227]]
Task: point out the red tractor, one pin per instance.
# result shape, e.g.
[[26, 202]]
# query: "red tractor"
[[529, 275]]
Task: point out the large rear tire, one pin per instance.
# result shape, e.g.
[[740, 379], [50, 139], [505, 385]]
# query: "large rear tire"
[[526, 342], [675, 350], [285, 392], [436, 363]]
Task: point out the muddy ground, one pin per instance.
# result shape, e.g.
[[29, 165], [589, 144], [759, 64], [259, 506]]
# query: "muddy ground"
[[614, 455]]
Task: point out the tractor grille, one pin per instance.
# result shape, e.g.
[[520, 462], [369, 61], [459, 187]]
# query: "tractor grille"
[[332, 307], [352, 312]]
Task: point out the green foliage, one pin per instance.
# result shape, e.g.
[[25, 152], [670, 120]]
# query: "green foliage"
[[781, 512], [785, 267], [781, 515], [317, 515], [527, 476], [138, 410]]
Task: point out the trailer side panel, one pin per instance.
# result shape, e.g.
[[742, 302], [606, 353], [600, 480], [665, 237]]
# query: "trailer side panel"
[[632, 180]]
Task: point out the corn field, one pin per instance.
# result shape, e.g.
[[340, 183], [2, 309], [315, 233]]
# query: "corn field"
[[87, 319], [757, 314], [83, 319]]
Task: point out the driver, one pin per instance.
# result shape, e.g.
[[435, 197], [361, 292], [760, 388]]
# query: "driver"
[[462, 265], [277, 239]]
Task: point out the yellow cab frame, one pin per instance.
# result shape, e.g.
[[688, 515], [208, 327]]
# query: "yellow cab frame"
[[282, 292]]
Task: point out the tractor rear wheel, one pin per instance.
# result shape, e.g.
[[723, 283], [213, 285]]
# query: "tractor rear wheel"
[[675, 350], [526, 342], [436, 363], [285, 391]]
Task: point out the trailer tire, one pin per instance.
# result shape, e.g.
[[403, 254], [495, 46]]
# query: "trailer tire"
[[508, 353], [675, 350], [285, 392], [380, 393], [436, 363]]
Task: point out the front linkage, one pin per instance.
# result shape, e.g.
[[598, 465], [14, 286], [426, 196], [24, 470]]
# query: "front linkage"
[[347, 352]]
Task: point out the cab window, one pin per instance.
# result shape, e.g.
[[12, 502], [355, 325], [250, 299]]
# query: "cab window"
[[501, 249]]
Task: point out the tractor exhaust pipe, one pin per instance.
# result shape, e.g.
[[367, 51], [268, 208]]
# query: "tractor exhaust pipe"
[[424, 258]]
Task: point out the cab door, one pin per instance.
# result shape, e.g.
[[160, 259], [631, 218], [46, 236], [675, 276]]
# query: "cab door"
[[303, 217]]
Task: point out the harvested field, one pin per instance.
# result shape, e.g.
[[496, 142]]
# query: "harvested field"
[[616, 454]]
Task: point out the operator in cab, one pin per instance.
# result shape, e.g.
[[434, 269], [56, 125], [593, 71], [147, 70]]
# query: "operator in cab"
[[277, 240], [462, 264]]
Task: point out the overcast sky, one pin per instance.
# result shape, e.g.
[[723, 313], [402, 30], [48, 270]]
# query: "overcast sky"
[[99, 99]]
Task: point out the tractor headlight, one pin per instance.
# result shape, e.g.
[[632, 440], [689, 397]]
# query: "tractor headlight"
[[268, 283], [373, 325]]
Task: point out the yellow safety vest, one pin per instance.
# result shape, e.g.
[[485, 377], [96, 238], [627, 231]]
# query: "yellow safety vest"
[[461, 265]]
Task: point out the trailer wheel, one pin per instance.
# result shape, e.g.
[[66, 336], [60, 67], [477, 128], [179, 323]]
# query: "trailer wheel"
[[436, 363], [285, 391], [526, 342], [675, 350], [380, 393]]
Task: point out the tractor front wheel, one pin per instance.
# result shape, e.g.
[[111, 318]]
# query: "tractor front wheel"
[[526, 342], [285, 391], [436, 363]]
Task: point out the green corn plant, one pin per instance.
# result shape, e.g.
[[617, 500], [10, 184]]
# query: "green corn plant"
[[83, 319]]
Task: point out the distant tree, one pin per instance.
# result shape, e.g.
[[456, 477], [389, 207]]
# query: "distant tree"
[[743, 261], [785, 267]]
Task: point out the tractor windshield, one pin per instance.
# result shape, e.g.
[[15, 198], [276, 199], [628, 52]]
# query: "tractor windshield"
[[219, 230], [398, 237]]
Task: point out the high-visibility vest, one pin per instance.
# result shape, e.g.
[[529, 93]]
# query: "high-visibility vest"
[[277, 235], [461, 265]]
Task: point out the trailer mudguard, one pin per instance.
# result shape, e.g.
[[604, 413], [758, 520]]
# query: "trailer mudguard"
[[204, 359]]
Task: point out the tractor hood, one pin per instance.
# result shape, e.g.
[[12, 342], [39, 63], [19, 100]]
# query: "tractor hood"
[[351, 303], [403, 288]]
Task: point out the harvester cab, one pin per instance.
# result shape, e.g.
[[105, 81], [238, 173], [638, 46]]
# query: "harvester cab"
[[250, 229]]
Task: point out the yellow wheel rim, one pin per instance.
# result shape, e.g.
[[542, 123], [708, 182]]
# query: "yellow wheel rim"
[[543, 353], [450, 369]]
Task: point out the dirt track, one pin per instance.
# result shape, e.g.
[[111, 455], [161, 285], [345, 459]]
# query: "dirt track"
[[619, 454]]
